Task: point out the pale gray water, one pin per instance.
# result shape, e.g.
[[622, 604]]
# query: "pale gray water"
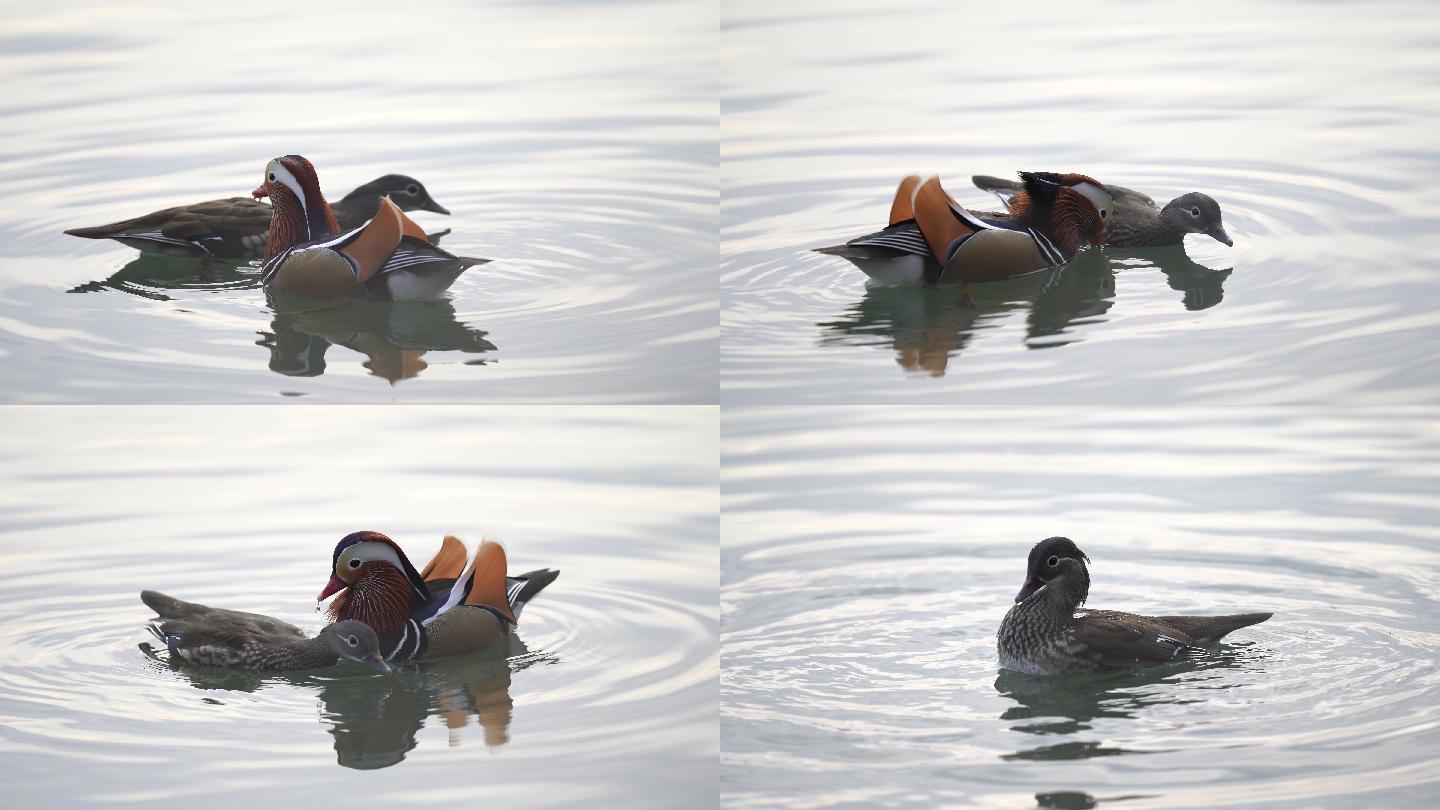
[[867, 559], [608, 696], [1312, 124], [575, 146]]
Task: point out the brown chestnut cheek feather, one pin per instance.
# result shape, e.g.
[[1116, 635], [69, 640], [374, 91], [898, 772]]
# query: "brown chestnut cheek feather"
[[1072, 219], [381, 598], [287, 222]]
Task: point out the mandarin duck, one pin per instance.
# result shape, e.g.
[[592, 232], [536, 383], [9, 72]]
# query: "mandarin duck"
[[235, 227], [231, 638], [1045, 633], [388, 257], [451, 608], [932, 239], [1137, 221]]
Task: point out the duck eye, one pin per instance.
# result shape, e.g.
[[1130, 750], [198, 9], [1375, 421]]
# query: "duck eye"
[[1195, 211], [412, 189], [272, 177], [1053, 561], [353, 641], [1102, 213], [354, 563]]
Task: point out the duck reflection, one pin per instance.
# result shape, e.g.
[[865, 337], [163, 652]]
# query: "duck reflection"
[[1060, 709], [927, 326], [393, 335], [153, 275], [373, 720]]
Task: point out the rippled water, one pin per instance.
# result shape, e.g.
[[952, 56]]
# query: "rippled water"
[[867, 561], [574, 146], [1312, 124], [606, 696]]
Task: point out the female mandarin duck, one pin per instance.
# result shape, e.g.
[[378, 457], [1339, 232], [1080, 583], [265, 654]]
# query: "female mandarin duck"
[[230, 638], [388, 257], [450, 608], [932, 239], [1046, 633], [235, 227], [1137, 221]]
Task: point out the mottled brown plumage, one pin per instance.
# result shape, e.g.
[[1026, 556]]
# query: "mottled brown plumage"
[[232, 638], [1045, 632]]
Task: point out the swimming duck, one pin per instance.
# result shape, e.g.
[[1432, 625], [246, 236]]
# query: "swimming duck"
[[1046, 633], [388, 257], [235, 227], [451, 608], [231, 638], [1137, 221], [932, 239]]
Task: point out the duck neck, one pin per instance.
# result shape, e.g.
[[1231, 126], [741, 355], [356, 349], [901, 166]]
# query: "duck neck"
[[1067, 592], [292, 223], [309, 653], [383, 598]]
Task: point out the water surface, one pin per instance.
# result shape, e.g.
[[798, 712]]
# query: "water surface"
[[867, 560], [1312, 124], [605, 696], [576, 148]]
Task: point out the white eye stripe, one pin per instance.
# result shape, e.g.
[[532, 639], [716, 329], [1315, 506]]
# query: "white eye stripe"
[[285, 177], [1097, 196]]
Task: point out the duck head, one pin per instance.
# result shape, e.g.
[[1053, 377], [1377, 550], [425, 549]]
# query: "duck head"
[[300, 211], [1071, 208], [355, 641], [405, 191], [1196, 213], [1056, 560], [368, 553]]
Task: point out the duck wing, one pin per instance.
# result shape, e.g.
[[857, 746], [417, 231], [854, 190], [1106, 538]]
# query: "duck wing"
[[192, 624], [233, 227], [1117, 640]]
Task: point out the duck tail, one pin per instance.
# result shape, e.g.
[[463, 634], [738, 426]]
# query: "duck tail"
[[167, 607], [1206, 630], [521, 588]]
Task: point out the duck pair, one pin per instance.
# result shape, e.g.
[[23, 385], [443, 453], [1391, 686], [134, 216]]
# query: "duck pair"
[[932, 239], [364, 247], [1046, 633], [384, 611]]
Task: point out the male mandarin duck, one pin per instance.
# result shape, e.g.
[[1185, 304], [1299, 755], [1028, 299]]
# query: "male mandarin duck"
[[1137, 221], [236, 227], [1046, 633], [450, 608], [388, 257], [932, 239], [231, 638]]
